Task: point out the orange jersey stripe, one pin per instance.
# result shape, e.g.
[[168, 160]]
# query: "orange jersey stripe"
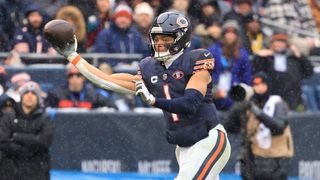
[[204, 60], [213, 157]]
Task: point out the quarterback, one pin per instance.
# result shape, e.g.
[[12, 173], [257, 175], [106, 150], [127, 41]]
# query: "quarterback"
[[178, 82]]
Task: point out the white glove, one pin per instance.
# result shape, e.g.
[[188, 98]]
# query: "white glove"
[[67, 49], [143, 92]]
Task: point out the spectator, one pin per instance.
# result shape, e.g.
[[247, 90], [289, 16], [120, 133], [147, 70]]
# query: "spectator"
[[143, 17], [25, 137], [239, 12], [266, 141], [181, 6], [98, 22], [30, 38], [287, 67], [17, 81], [77, 94], [257, 38], [232, 65], [211, 34], [121, 36], [75, 17], [209, 8], [7, 105]]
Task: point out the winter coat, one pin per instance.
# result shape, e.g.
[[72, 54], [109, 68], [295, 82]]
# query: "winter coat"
[[24, 143], [88, 98], [287, 84], [116, 40], [240, 69], [32, 37]]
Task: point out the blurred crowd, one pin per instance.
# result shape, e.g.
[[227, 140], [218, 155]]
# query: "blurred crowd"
[[244, 37], [261, 43]]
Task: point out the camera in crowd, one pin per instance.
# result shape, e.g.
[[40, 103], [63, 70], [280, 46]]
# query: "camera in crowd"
[[241, 92]]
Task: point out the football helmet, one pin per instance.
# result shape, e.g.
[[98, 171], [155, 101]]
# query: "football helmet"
[[175, 25]]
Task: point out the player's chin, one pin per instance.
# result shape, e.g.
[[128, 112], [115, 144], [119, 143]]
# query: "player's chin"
[[161, 50]]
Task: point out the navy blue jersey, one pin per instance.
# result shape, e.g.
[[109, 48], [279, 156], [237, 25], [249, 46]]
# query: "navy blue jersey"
[[182, 129]]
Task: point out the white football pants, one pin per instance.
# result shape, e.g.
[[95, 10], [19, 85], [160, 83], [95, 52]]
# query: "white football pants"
[[205, 159]]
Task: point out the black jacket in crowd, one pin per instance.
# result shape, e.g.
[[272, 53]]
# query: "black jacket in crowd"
[[24, 144], [286, 84]]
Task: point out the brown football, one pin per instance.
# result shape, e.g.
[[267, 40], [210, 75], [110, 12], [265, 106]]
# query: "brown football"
[[58, 32]]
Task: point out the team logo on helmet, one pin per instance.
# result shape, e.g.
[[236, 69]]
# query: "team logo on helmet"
[[178, 74], [182, 22]]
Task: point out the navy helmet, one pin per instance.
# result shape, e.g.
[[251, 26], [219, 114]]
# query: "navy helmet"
[[176, 25]]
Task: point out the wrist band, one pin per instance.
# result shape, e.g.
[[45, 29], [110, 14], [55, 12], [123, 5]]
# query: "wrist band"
[[75, 60]]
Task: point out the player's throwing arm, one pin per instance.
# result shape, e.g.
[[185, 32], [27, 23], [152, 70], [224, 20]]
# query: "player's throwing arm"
[[61, 36]]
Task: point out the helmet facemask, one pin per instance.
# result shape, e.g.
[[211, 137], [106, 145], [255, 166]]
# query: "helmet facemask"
[[170, 24], [161, 56], [172, 48]]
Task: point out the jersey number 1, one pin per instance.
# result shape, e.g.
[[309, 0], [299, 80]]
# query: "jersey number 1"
[[166, 91]]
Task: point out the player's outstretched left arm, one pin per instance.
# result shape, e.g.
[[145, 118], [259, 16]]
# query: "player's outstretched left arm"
[[120, 82]]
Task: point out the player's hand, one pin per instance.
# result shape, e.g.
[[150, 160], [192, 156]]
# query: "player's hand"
[[143, 92], [67, 49]]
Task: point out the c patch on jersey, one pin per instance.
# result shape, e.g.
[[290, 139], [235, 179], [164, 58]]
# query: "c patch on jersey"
[[178, 74], [154, 79]]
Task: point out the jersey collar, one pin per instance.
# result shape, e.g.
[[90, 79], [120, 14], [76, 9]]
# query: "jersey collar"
[[169, 62]]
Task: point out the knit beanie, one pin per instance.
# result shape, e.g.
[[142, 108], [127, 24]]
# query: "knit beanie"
[[230, 26], [144, 8], [31, 86], [122, 10], [261, 77]]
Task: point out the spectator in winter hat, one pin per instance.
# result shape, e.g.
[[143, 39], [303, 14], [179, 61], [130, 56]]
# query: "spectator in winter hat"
[[143, 17], [30, 37], [257, 38], [34, 88], [17, 81], [121, 36], [26, 137], [285, 65]]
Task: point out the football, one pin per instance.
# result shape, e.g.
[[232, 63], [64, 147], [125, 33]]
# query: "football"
[[59, 32]]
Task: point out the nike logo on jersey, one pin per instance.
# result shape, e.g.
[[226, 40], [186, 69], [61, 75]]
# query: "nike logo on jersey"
[[206, 54]]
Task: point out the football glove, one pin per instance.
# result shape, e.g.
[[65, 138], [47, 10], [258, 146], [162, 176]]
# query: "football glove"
[[143, 92], [67, 49]]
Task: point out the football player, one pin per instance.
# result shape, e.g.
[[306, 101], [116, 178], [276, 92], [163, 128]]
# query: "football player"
[[179, 83]]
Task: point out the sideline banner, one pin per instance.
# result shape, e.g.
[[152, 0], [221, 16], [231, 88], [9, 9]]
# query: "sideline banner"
[[130, 142]]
